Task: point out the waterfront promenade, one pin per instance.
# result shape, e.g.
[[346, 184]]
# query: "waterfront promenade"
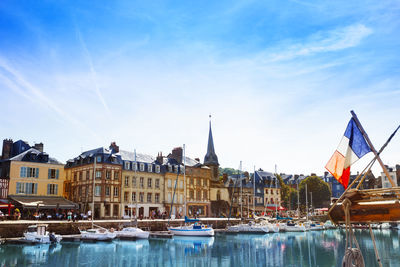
[[15, 228]]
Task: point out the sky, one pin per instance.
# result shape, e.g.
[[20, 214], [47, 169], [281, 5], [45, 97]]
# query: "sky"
[[279, 78]]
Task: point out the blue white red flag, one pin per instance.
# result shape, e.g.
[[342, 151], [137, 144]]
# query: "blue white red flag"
[[351, 148]]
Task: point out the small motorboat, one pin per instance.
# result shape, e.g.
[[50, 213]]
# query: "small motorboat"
[[132, 232], [98, 234], [38, 234]]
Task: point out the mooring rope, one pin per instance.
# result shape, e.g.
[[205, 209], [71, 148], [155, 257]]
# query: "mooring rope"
[[352, 256], [378, 259]]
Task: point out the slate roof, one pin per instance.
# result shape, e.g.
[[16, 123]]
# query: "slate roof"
[[130, 156], [211, 158], [22, 157]]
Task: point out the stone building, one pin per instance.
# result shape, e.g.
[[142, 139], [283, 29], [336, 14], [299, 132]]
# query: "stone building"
[[142, 185], [103, 164]]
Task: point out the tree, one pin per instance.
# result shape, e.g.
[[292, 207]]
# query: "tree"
[[285, 192], [321, 192]]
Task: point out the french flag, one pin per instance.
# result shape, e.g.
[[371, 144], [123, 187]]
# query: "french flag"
[[351, 148]]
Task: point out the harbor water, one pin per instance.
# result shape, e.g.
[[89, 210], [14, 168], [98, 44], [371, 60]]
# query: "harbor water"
[[315, 248]]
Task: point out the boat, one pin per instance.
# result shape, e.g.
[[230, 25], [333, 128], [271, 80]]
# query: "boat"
[[132, 232], [195, 229], [97, 234], [313, 226], [38, 234], [295, 227], [252, 228], [329, 225]]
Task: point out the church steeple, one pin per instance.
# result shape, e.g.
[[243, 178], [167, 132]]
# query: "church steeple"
[[210, 158]]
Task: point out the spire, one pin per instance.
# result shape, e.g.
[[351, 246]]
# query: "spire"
[[210, 158]]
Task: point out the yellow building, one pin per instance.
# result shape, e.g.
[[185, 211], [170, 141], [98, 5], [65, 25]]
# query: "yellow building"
[[142, 186], [34, 180]]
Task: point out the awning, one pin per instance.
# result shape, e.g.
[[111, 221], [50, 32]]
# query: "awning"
[[43, 202]]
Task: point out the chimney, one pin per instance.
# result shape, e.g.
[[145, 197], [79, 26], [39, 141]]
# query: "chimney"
[[114, 147], [7, 147], [197, 159], [160, 158], [177, 154], [39, 147]]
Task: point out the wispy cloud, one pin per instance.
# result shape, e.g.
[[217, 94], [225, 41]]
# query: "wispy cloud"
[[92, 70], [322, 42], [14, 80]]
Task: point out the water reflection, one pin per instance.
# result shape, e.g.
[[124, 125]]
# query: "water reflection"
[[319, 248]]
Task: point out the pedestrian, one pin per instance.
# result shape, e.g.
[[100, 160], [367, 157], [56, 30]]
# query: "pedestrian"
[[69, 215], [89, 214]]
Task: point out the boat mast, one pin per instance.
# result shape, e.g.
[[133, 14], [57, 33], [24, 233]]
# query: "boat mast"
[[184, 178], [94, 175], [276, 187], [254, 192], [298, 199], [136, 195], [306, 202], [241, 190], [130, 194]]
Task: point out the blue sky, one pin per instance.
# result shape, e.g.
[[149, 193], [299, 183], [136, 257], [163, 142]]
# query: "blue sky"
[[278, 77]]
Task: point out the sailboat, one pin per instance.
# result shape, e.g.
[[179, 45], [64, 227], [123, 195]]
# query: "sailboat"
[[192, 227], [99, 233], [133, 232]]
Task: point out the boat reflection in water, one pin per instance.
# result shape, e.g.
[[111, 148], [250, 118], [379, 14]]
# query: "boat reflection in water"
[[312, 248]]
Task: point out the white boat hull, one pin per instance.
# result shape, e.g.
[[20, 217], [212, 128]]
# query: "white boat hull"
[[44, 239], [189, 231], [97, 235], [132, 232]]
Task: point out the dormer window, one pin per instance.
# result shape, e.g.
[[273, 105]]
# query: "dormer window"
[[169, 168], [176, 168], [127, 165], [98, 158], [149, 168], [157, 168], [142, 167]]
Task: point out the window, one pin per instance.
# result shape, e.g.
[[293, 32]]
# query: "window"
[[205, 195], [75, 175], [169, 197], [134, 166], [141, 167], [198, 195], [182, 169], [157, 168], [133, 181], [97, 190], [205, 182], [176, 168], [126, 181], [148, 182], [53, 174], [27, 188], [191, 194], [198, 182], [80, 176], [169, 168], [108, 174], [169, 183], [98, 174], [126, 196], [52, 189], [218, 195], [133, 196], [29, 172], [116, 191], [180, 198], [141, 196], [98, 158], [87, 175], [180, 184], [116, 175], [141, 182], [148, 197], [191, 181], [157, 183], [149, 168], [107, 191], [157, 197], [127, 165]]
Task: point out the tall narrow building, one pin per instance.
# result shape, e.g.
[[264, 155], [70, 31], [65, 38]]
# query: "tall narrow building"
[[211, 159]]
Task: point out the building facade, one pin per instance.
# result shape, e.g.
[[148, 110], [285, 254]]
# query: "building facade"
[[96, 174], [142, 185]]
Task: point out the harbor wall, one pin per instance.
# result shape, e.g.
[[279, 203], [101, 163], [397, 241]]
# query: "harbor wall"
[[10, 229]]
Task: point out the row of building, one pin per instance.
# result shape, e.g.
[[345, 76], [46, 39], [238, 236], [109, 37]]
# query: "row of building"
[[116, 183]]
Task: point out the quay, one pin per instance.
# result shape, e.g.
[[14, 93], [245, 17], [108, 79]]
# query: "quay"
[[157, 227]]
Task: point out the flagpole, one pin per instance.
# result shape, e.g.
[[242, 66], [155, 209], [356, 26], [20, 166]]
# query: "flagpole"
[[184, 177], [276, 187], [372, 147], [136, 195], [241, 190]]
